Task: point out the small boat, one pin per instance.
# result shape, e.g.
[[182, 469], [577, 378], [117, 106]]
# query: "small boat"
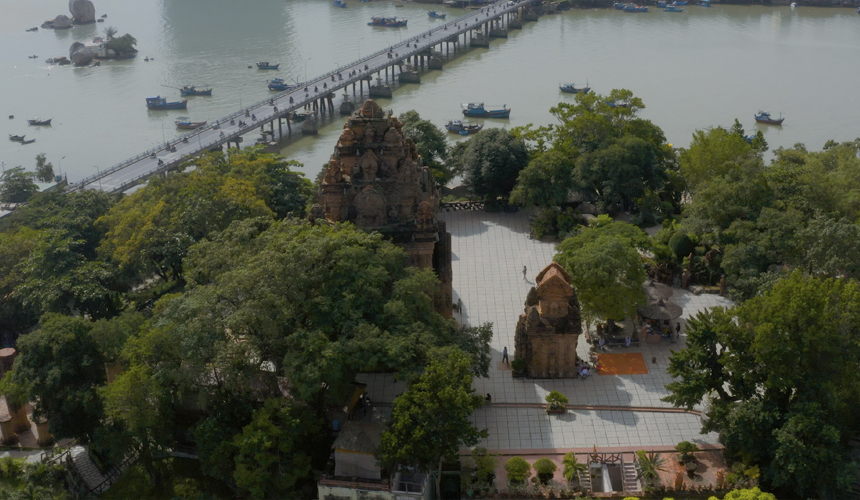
[[673, 8], [266, 65], [387, 22], [32, 57], [463, 127], [619, 6], [793, 5], [635, 8], [39, 121], [16, 138], [613, 104], [339, 3], [33, 29], [280, 84], [185, 123], [158, 102], [298, 117], [192, 90], [764, 117], [661, 3], [749, 138], [704, 3], [679, 3], [436, 15], [477, 109], [571, 89], [31, 141]]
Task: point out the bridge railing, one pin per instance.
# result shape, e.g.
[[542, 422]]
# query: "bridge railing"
[[298, 104]]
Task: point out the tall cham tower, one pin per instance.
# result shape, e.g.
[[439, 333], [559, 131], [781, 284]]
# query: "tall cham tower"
[[376, 180]]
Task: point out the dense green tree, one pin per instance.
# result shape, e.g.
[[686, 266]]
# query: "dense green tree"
[[273, 450], [60, 366], [123, 45], [431, 420], [606, 273], [17, 186], [779, 372], [490, 162], [228, 415], [44, 170], [546, 182], [430, 143], [715, 153]]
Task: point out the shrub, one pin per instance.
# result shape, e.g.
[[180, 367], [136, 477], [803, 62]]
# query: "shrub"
[[686, 449], [681, 244], [545, 469], [650, 464], [556, 400], [518, 365], [572, 466], [518, 470]]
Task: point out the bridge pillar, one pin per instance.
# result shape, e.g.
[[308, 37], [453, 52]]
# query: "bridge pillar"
[[309, 126], [409, 77], [280, 129], [289, 128], [434, 63]]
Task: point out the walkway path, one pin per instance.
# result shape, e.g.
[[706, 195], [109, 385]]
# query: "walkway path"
[[218, 133]]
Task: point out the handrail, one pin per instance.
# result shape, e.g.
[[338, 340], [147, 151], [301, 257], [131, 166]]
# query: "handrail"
[[340, 84]]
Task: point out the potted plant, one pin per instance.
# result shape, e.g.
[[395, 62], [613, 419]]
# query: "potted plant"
[[572, 468], [519, 367], [545, 469], [555, 402], [650, 465], [478, 475], [518, 471]]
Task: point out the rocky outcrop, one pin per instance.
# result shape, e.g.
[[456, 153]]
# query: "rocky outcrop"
[[61, 22], [83, 11], [80, 55]]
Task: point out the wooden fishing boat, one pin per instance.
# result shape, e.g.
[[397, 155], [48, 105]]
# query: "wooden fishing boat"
[[478, 110], [267, 65], [39, 121], [619, 5], [16, 138], [673, 8], [280, 85], [185, 123], [764, 117], [635, 8], [339, 3], [463, 127], [387, 22], [192, 90], [436, 15], [158, 102], [570, 88], [29, 141]]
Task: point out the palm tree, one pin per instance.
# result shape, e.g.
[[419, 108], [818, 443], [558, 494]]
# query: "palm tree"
[[110, 32], [650, 465], [572, 467]]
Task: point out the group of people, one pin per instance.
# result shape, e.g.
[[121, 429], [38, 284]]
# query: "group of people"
[[585, 370]]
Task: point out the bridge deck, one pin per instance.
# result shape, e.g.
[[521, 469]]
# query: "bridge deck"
[[127, 173]]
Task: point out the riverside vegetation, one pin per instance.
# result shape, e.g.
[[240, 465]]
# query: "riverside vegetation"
[[209, 290]]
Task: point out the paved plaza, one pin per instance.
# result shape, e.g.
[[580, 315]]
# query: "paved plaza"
[[489, 252]]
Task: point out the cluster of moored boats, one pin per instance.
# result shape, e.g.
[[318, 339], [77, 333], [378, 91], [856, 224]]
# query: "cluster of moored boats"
[[36, 122], [676, 6], [476, 110]]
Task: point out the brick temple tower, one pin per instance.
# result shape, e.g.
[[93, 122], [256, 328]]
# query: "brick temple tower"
[[376, 180]]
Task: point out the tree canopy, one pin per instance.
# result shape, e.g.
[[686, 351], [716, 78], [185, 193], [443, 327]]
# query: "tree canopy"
[[17, 186], [430, 143], [490, 162]]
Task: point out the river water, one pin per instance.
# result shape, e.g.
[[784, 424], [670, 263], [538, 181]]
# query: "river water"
[[699, 68]]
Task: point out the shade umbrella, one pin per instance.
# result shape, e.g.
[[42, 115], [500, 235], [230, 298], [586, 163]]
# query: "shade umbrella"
[[661, 310], [656, 291]]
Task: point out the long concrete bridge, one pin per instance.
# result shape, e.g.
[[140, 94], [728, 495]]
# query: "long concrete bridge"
[[474, 28]]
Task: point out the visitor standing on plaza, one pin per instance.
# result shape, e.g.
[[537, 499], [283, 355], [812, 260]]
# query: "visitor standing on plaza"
[[505, 356], [524, 273]]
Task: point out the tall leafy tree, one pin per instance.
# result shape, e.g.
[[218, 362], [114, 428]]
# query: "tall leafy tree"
[[431, 144], [44, 169], [17, 186], [490, 162], [431, 419], [60, 366], [546, 182]]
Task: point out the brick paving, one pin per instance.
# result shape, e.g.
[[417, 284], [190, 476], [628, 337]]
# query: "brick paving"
[[489, 252]]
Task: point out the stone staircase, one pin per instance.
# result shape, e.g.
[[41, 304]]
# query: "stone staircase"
[[585, 481], [88, 479], [630, 474]]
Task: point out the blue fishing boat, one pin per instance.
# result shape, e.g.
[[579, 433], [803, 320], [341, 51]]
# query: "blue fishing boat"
[[635, 8], [158, 102], [661, 3], [613, 104], [749, 138], [339, 3], [436, 15], [672, 8], [619, 6], [764, 117], [266, 65], [704, 3], [463, 127], [192, 90], [571, 88], [185, 123], [280, 84], [387, 22], [477, 109], [679, 3]]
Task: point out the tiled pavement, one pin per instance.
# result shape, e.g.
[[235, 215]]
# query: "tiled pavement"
[[489, 252]]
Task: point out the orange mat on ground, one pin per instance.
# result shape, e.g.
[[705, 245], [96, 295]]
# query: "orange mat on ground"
[[622, 364]]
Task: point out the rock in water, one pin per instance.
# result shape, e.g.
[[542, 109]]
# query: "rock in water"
[[83, 11], [80, 55], [62, 22]]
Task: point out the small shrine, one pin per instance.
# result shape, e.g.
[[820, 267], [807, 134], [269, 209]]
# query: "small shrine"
[[376, 180], [548, 330]]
